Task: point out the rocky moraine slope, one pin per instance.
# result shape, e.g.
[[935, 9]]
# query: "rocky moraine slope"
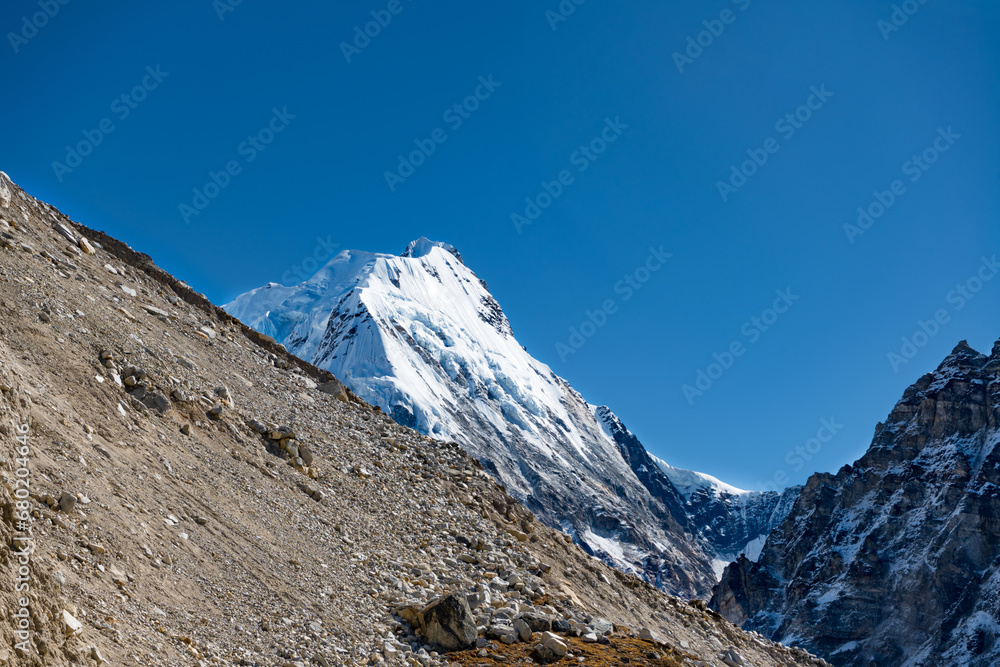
[[420, 335], [198, 496]]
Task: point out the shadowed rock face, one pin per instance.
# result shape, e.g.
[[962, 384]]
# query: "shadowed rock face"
[[896, 559]]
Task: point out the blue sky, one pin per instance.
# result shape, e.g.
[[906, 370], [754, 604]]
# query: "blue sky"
[[266, 90]]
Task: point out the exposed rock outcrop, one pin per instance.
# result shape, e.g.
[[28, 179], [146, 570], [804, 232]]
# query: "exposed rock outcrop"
[[894, 560]]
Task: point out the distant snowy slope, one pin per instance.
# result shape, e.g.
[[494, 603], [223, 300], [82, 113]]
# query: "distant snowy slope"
[[420, 335], [689, 482]]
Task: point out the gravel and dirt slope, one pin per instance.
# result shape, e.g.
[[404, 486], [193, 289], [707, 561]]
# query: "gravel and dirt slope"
[[196, 496]]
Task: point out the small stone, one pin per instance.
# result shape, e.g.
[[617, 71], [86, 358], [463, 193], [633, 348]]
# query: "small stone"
[[602, 626], [555, 644], [542, 653], [648, 635], [306, 455], [152, 310], [67, 502], [732, 658], [523, 630], [71, 626], [186, 429], [155, 400], [62, 229], [86, 246], [281, 434]]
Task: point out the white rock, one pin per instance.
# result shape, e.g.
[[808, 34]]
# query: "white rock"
[[62, 229], [556, 645], [71, 626], [647, 635]]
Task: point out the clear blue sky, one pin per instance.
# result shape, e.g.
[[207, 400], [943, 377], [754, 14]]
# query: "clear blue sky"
[[323, 176]]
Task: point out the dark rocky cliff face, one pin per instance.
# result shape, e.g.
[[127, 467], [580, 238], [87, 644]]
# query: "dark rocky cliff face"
[[645, 469], [896, 559], [732, 523]]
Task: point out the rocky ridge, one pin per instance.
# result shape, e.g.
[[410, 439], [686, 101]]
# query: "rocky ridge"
[[197, 496], [732, 522], [894, 560]]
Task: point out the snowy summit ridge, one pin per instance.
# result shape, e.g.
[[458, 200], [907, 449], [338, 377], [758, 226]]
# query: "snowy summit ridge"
[[420, 335], [423, 246]]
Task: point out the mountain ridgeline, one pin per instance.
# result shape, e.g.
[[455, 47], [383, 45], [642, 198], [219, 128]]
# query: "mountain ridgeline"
[[420, 335], [894, 560]]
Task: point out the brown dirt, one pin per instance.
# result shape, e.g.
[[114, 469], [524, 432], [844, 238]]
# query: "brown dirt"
[[622, 651]]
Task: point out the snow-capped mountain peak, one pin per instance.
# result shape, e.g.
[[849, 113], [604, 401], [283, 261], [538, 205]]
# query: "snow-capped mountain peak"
[[420, 335], [423, 246]]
